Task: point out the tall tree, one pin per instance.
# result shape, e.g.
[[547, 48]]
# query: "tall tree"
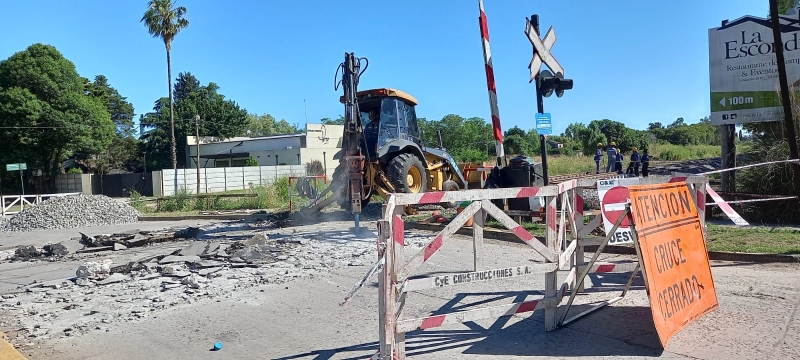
[[165, 20], [124, 146], [219, 117], [44, 99], [185, 84], [118, 107]]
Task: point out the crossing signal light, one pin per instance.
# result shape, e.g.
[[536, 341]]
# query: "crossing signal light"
[[549, 83]]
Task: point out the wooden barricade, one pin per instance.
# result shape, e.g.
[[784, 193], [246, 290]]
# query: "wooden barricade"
[[567, 233]]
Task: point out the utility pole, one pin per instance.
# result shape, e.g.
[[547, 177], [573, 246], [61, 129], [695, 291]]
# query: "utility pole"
[[197, 145], [788, 116]]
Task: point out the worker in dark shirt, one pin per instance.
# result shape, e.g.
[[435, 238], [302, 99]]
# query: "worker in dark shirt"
[[598, 157], [612, 157], [635, 161], [645, 163], [619, 162], [370, 138]]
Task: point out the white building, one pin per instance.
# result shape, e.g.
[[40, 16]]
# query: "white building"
[[319, 142]]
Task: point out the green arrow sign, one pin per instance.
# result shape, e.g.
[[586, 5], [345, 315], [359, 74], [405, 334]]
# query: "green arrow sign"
[[742, 100]]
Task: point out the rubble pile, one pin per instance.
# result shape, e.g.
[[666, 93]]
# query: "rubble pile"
[[93, 244], [71, 212], [3, 222], [102, 292]]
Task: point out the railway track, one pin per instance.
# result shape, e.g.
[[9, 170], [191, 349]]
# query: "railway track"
[[554, 180]]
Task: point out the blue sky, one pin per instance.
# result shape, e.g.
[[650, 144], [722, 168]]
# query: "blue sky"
[[632, 61]]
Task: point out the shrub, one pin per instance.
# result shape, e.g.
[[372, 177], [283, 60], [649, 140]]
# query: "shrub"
[[314, 167], [251, 161]]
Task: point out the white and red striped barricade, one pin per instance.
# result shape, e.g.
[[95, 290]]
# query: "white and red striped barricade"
[[395, 283], [562, 250]]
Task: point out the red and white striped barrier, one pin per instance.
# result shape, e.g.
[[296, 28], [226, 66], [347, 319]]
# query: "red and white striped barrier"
[[492, 86], [561, 249], [435, 197], [755, 200], [727, 209], [749, 166]]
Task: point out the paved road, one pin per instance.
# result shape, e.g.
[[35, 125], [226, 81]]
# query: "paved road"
[[757, 319]]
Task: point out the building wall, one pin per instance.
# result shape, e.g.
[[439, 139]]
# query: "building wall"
[[283, 147], [323, 142], [320, 142]]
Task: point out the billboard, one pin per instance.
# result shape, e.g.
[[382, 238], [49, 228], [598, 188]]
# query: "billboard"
[[743, 69]]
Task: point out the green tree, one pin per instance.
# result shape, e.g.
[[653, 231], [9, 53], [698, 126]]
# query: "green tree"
[[329, 121], [219, 117], [165, 20], [42, 95], [185, 84], [266, 125], [118, 107], [124, 146]]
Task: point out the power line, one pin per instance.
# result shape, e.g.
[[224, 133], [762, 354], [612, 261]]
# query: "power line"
[[85, 126]]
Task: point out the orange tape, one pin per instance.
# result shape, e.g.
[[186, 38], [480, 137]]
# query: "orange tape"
[[675, 260]]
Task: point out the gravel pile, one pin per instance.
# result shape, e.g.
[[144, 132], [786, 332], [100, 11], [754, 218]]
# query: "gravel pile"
[[3, 222], [71, 212]]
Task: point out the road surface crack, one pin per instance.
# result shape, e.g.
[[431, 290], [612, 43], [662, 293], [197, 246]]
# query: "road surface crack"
[[786, 330]]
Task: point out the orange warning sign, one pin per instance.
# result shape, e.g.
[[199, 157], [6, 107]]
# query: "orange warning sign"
[[675, 259]]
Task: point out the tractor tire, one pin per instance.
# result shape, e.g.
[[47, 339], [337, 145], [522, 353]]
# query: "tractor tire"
[[450, 185], [407, 174], [341, 198]]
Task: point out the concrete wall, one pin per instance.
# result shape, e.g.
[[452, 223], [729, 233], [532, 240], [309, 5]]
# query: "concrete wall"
[[322, 143], [222, 179], [286, 147], [74, 183], [158, 187]]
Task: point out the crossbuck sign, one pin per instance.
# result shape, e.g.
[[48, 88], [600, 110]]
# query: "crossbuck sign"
[[541, 50]]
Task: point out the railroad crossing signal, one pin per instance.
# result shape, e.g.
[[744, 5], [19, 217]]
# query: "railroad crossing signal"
[[548, 83], [541, 49]]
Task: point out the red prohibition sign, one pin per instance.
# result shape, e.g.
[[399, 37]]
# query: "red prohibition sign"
[[616, 198]]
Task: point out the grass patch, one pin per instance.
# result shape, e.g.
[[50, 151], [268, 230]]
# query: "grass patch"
[[669, 152], [537, 228], [752, 240], [272, 196]]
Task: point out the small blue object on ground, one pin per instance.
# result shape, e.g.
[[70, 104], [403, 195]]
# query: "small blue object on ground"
[[218, 346]]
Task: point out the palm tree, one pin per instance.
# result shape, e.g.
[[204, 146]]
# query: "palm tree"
[[165, 20]]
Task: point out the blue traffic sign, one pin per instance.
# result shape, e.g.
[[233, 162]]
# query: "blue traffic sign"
[[544, 124]]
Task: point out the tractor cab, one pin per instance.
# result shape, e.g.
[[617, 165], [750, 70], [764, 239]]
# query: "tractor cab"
[[389, 122]]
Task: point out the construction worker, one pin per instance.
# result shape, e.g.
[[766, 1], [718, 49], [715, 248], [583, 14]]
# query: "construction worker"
[[370, 138], [598, 157], [618, 163], [635, 161], [645, 163], [612, 156]]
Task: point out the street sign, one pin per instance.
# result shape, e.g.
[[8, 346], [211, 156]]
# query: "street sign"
[[614, 196], [15, 167], [544, 125], [743, 69], [541, 50]]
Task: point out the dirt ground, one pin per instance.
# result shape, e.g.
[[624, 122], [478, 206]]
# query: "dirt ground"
[[297, 316]]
